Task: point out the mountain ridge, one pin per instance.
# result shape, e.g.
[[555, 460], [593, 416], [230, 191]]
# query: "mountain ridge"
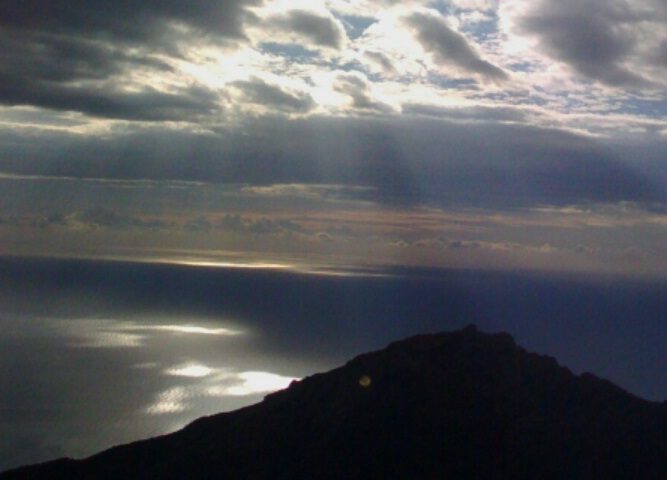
[[464, 404]]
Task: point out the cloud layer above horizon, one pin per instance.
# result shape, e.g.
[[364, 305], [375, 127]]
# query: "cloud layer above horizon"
[[475, 104]]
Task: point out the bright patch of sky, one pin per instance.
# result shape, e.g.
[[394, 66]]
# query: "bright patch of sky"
[[425, 104]]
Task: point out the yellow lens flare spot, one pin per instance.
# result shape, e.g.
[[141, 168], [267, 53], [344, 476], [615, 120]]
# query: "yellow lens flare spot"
[[365, 381]]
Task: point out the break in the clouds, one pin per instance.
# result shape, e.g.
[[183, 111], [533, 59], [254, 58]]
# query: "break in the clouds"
[[456, 104]]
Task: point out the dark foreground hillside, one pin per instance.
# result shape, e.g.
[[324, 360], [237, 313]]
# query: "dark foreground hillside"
[[453, 405]]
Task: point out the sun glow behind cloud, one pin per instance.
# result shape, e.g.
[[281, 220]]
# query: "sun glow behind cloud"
[[267, 128]]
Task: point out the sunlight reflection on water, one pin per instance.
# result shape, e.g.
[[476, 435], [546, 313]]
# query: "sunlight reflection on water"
[[192, 381], [191, 370], [108, 333], [216, 381], [249, 383], [214, 384], [94, 354]]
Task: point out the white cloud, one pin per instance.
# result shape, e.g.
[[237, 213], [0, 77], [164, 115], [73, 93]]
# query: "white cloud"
[[477, 4], [371, 8]]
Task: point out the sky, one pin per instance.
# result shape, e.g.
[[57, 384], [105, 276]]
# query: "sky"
[[355, 140], [483, 134]]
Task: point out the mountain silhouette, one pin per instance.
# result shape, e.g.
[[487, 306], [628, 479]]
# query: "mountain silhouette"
[[460, 405]]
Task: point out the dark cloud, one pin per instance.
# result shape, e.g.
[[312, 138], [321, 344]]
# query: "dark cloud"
[[474, 113], [124, 21], [109, 218], [259, 92], [258, 226], [446, 244], [359, 89], [147, 104], [51, 219], [320, 30], [661, 55], [450, 47], [54, 58], [324, 237], [74, 55], [409, 160], [382, 61], [199, 224], [594, 37]]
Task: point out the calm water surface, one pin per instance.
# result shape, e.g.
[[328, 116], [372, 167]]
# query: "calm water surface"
[[94, 354]]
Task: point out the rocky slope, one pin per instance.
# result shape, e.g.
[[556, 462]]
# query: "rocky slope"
[[454, 405]]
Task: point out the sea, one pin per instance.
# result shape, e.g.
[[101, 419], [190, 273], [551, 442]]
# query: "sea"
[[95, 353]]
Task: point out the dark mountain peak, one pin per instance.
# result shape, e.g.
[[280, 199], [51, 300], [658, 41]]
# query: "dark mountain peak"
[[463, 404]]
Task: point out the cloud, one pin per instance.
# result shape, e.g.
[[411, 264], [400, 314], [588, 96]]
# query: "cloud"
[[596, 38], [125, 21], [661, 54], [449, 244], [369, 8], [310, 192], [450, 47], [102, 57], [467, 113], [404, 159], [55, 218], [379, 59], [258, 226], [56, 58], [316, 28], [106, 217], [148, 104], [199, 224], [272, 96], [358, 88], [475, 4]]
